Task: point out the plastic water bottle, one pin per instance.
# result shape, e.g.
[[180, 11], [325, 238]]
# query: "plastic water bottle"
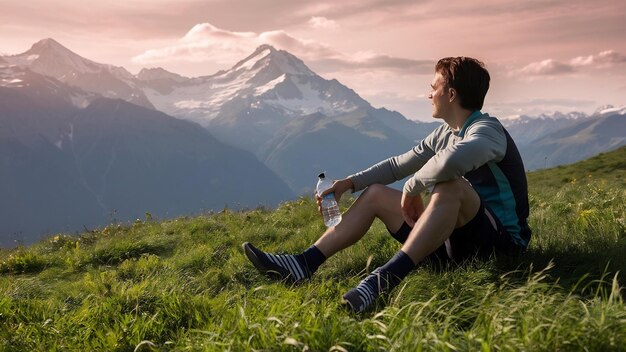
[[330, 208]]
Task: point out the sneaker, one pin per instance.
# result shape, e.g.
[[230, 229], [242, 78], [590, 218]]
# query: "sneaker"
[[366, 292], [281, 267]]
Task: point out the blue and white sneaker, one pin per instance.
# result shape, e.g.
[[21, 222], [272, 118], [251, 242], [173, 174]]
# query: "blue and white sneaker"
[[282, 267]]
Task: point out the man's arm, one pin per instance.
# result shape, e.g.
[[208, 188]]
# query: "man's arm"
[[484, 141], [397, 167]]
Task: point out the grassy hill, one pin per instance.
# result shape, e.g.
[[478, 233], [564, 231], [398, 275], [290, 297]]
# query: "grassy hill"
[[184, 284], [605, 168]]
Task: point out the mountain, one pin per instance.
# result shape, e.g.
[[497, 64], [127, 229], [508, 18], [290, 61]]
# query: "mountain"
[[50, 58], [70, 158], [525, 129], [586, 137], [295, 121], [159, 80], [271, 85], [341, 146]]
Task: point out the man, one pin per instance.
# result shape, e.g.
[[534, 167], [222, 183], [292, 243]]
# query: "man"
[[479, 197]]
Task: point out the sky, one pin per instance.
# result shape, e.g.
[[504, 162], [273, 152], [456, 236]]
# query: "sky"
[[543, 56]]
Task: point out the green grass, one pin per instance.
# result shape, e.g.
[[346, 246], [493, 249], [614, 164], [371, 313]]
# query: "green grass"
[[184, 284], [605, 167]]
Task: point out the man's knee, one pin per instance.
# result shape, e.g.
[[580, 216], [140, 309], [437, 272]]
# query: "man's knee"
[[374, 192], [457, 189], [461, 193]]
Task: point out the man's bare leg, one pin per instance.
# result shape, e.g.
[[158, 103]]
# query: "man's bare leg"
[[377, 201], [452, 205]]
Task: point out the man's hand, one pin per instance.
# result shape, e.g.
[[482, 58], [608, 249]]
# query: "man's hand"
[[412, 208], [339, 188]]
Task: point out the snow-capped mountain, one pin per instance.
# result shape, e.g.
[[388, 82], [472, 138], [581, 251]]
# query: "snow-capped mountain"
[[524, 119], [272, 104], [65, 165], [525, 129], [268, 79], [610, 109], [49, 58], [557, 138], [584, 137], [262, 100], [296, 122]]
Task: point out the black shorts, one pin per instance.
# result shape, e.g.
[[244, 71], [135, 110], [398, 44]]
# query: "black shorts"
[[481, 237]]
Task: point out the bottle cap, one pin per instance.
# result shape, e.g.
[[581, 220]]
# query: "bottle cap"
[[321, 175]]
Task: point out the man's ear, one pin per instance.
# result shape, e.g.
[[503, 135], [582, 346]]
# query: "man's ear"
[[452, 93]]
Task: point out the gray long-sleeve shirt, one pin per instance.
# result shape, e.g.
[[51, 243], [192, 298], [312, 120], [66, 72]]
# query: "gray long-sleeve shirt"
[[482, 152]]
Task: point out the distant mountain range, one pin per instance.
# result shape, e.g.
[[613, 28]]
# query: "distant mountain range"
[[556, 139], [49, 58], [71, 159], [262, 105], [559, 139], [295, 121], [104, 134]]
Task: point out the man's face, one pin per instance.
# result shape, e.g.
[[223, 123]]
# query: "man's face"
[[439, 95]]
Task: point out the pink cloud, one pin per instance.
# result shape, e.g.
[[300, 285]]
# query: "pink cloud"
[[549, 67], [206, 42], [603, 59], [322, 22], [203, 42]]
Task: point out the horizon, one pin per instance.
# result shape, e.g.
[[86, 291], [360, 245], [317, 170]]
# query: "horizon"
[[562, 56]]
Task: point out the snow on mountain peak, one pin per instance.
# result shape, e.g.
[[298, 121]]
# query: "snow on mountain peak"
[[557, 115], [266, 56], [253, 60], [49, 57], [267, 79], [609, 109]]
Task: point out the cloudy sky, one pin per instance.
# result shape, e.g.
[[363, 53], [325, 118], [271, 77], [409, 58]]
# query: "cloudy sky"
[[543, 55]]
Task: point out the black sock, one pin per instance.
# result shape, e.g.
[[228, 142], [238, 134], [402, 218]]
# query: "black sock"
[[312, 258], [398, 268]]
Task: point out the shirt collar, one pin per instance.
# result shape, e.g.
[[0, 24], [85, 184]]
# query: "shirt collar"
[[470, 119]]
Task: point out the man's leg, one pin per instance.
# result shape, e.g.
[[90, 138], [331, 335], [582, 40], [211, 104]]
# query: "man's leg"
[[377, 201], [452, 205]]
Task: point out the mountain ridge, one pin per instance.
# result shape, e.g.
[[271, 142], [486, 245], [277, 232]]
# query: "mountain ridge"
[[49, 57], [260, 98], [593, 135], [63, 166]]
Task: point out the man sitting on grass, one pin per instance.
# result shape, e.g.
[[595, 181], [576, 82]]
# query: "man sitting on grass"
[[479, 196]]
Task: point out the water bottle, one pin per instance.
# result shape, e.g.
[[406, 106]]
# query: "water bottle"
[[330, 208]]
